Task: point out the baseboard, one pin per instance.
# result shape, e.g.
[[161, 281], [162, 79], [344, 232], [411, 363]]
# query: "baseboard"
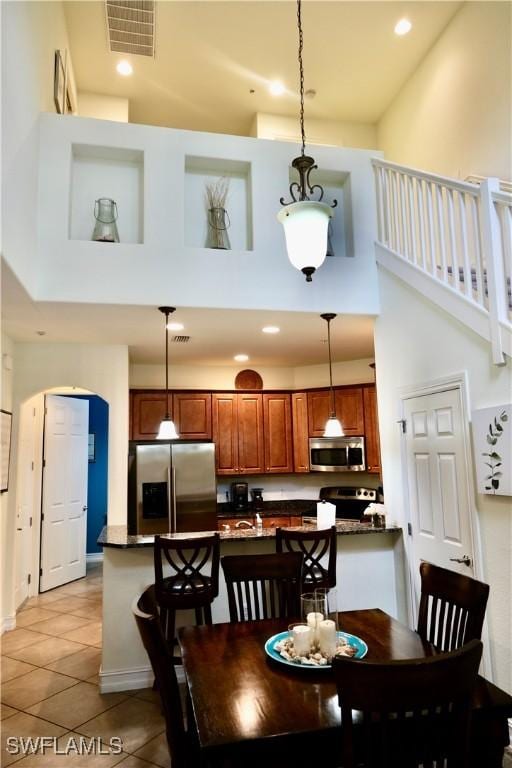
[[126, 679], [7, 624], [510, 730], [94, 557]]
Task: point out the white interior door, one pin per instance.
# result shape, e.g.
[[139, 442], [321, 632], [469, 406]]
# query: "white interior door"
[[438, 484], [64, 506], [25, 501]]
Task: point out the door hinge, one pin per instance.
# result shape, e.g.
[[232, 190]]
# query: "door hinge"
[[403, 424], [34, 412], [40, 571], [30, 522], [32, 465], [29, 579], [44, 463], [409, 529], [42, 515]]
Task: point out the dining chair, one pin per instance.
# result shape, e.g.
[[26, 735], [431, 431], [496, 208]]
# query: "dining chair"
[[315, 546], [192, 582], [407, 713], [452, 607], [182, 744], [263, 586]]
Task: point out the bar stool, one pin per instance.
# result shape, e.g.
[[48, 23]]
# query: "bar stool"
[[314, 545], [193, 582]]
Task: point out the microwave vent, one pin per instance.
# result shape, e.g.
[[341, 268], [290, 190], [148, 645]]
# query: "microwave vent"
[[181, 339], [131, 26]]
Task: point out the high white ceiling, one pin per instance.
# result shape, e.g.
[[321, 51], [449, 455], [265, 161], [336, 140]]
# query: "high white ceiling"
[[215, 335], [209, 55]]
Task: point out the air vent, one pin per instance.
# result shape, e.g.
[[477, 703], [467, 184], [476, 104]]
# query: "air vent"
[[131, 26], [181, 339]]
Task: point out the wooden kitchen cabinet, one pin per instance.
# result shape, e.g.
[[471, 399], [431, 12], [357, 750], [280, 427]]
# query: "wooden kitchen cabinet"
[[251, 453], [349, 409], [225, 432], [192, 413], [237, 428], [148, 410], [282, 521], [371, 430], [318, 411], [300, 433], [277, 431]]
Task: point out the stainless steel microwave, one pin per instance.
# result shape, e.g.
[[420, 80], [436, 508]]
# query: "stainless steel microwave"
[[336, 454]]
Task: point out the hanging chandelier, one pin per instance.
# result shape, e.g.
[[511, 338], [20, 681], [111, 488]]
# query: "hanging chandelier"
[[167, 430], [305, 221], [333, 426]]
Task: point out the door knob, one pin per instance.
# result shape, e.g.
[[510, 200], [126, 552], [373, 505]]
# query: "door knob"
[[465, 560]]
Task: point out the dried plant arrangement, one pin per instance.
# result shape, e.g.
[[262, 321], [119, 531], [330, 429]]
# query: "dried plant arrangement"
[[216, 194]]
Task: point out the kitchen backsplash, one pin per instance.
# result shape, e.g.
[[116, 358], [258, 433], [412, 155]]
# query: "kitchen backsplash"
[[289, 487]]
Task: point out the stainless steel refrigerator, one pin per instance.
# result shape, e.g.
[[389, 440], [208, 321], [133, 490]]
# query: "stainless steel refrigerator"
[[171, 487]]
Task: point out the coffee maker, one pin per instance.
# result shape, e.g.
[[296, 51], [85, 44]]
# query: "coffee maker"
[[239, 497]]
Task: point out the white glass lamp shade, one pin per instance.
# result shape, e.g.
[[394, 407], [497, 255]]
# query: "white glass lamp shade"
[[167, 430], [305, 229], [333, 427]]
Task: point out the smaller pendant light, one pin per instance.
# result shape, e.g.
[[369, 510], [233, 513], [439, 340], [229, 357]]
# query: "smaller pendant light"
[[333, 426], [167, 429]]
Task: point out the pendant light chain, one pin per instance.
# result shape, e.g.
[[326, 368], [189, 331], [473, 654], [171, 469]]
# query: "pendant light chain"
[[301, 77], [333, 404]]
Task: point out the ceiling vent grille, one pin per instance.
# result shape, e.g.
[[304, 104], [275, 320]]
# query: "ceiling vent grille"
[[131, 26], [181, 339]]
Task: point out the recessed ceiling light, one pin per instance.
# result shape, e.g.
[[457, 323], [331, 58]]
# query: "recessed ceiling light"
[[402, 27], [241, 358], [175, 326], [124, 68], [271, 329], [276, 88]]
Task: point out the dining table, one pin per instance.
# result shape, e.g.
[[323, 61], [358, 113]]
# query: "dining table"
[[251, 709]]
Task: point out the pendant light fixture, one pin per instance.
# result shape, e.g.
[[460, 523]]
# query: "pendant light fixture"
[[333, 426], [305, 221], [167, 429]]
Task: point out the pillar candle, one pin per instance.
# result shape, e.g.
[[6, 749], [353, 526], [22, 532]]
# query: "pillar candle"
[[327, 637], [314, 619], [302, 637]]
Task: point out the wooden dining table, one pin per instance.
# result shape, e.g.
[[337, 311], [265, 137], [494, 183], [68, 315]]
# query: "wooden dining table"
[[250, 709]]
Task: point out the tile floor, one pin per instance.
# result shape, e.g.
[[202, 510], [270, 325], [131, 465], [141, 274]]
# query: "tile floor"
[[49, 675]]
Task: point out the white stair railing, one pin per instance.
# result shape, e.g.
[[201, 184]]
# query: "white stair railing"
[[458, 233]]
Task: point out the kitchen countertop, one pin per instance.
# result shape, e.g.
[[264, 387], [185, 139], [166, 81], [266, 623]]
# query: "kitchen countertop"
[[117, 535]]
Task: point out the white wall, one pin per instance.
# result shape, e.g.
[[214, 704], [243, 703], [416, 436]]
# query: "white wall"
[[415, 343], [31, 31], [453, 116], [330, 132], [102, 107], [7, 522]]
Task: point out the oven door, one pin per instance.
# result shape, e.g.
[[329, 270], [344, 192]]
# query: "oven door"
[[340, 454]]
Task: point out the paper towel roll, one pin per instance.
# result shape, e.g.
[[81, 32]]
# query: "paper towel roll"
[[325, 514]]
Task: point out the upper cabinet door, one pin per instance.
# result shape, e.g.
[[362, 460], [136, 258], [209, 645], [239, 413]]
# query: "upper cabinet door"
[[225, 432], [277, 427], [371, 430], [193, 415], [300, 432], [318, 412], [148, 410], [349, 410], [250, 434]]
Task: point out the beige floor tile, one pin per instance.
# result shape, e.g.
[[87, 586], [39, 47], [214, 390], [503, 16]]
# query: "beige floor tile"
[[59, 624], [34, 615], [47, 650], [148, 694], [40, 601], [156, 751], [12, 668], [76, 705], [18, 639], [68, 603], [82, 589], [83, 665], [33, 687], [134, 762], [25, 725], [92, 610], [95, 679], [135, 721], [89, 634], [70, 743], [6, 711]]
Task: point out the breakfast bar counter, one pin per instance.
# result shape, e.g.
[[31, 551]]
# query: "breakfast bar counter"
[[369, 574]]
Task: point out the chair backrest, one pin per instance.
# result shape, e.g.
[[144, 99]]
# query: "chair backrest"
[[315, 546], [188, 561], [403, 714], [145, 610], [452, 607], [263, 586]]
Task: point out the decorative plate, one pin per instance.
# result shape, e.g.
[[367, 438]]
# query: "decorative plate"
[[353, 640]]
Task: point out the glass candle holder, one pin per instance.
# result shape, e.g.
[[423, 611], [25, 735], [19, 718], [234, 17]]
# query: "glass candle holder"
[[313, 606]]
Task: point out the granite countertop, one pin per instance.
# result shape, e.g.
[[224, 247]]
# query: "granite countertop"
[[117, 535]]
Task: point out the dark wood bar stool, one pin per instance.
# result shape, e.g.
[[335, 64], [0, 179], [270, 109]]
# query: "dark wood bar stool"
[[452, 607], [263, 586], [193, 582], [314, 545]]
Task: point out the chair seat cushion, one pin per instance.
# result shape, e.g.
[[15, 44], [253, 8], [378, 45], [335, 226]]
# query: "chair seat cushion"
[[178, 585]]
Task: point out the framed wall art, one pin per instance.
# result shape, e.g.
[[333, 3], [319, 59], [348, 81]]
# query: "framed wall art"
[[492, 439], [5, 448], [59, 82]]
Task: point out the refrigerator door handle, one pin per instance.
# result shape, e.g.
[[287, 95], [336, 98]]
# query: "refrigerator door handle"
[[174, 500]]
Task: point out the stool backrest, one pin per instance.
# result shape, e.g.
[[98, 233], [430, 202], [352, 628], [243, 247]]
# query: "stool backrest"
[[315, 546], [407, 713], [263, 586], [452, 607], [187, 560]]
